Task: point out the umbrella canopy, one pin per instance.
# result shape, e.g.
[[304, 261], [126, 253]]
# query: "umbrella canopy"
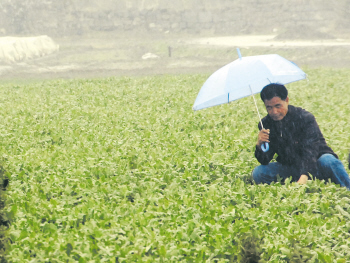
[[246, 76]]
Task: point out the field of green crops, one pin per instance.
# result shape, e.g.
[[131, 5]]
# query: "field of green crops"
[[122, 170]]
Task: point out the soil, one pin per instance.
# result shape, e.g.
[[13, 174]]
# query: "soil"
[[99, 55]]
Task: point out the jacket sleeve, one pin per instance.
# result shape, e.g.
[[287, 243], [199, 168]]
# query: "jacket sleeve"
[[264, 157], [309, 145]]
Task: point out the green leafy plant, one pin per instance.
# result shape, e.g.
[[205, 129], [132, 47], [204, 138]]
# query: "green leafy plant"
[[122, 170]]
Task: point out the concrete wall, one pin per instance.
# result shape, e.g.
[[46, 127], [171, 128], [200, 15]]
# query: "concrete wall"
[[74, 17]]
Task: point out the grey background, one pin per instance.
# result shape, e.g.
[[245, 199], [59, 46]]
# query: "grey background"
[[103, 38], [79, 17]]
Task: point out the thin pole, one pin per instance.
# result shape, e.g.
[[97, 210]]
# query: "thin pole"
[[256, 106], [169, 51]]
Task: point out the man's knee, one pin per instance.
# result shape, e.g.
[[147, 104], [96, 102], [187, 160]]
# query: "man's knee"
[[333, 169], [327, 161], [258, 173]]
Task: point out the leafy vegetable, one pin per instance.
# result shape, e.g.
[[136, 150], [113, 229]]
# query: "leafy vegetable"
[[122, 170]]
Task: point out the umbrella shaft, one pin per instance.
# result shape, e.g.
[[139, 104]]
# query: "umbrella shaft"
[[256, 106]]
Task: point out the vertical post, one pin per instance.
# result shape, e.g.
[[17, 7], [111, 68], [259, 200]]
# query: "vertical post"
[[169, 51]]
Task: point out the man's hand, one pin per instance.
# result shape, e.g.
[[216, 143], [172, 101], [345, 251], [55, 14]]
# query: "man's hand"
[[303, 179], [263, 136]]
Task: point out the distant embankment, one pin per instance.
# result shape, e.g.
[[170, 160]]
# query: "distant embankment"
[[16, 49], [74, 17]]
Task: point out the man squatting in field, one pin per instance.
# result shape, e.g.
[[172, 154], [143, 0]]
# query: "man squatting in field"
[[295, 136]]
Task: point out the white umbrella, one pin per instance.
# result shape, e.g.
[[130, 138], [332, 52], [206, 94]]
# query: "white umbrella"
[[246, 76]]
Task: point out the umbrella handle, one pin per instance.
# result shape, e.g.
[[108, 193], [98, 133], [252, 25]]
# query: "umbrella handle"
[[265, 147]]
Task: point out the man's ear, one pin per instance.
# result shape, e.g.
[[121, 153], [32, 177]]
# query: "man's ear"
[[287, 100]]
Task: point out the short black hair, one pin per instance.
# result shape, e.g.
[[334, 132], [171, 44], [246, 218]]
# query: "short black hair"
[[273, 90]]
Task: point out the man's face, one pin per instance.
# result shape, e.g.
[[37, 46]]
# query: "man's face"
[[277, 108]]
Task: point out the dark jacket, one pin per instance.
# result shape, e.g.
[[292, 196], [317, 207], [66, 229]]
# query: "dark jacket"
[[296, 139]]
